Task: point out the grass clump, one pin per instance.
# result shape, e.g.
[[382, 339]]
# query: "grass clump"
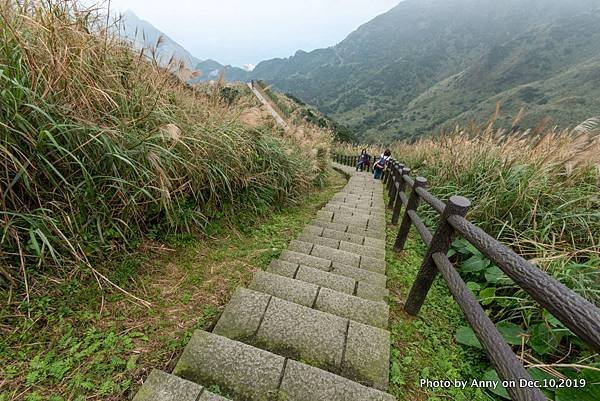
[[100, 145], [423, 347]]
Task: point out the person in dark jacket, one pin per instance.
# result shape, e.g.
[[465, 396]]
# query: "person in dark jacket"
[[379, 166], [363, 160]]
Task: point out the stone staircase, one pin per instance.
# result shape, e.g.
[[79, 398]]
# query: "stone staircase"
[[313, 327]]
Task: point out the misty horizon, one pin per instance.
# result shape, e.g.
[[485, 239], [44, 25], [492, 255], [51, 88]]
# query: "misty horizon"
[[229, 32]]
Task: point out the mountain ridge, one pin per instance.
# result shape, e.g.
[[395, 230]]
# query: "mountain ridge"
[[369, 79]]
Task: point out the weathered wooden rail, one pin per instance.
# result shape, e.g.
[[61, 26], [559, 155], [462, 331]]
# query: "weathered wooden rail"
[[575, 312]]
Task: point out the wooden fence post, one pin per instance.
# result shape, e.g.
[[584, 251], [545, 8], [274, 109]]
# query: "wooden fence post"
[[396, 175], [401, 190], [413, 204], [457, 205], [391, 178], [386, 176]]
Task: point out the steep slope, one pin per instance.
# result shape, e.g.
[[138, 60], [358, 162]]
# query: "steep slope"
[[373, 78]]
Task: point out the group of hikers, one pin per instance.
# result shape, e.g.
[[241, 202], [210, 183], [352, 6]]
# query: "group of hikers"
[[364, 161]]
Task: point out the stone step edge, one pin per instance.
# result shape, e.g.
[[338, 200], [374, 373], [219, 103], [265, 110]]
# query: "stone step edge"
[[162, 386], [341, 245], [334, 267], [348, 285], [376, 265], [339, 345], [348, 237], [209, 360], [361, 310], [345, 228]]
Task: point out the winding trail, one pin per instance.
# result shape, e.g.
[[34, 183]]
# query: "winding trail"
[[313, 327]]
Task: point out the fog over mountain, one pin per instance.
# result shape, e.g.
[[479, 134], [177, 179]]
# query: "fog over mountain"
[[431, 63], [427, 63]]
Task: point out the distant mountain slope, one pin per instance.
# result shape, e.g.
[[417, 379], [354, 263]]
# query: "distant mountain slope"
[[212, 70], [428, 62], [145, 35]]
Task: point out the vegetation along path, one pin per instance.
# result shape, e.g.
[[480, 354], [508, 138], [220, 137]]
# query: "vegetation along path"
[[311, 327]]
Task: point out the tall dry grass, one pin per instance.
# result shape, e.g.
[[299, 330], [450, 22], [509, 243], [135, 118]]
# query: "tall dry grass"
[[100, 144]]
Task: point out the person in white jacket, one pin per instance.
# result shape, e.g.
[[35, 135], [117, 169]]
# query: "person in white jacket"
[[379, 166]]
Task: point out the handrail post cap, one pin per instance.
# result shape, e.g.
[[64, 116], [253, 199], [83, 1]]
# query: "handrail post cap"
[[460, 201], [420, 181]]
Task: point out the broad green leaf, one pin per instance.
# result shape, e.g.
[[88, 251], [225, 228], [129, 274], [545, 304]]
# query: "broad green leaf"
[[465, 247], [591, 391], [473, 286], [465, 335], [396, 374], [474, 264], [493, 274], [511, 332], [486, 296], [492, 375], [542, 339], [538, 374], [554, 322]]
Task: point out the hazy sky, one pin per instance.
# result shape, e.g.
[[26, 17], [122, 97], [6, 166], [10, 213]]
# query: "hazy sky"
[[239, 32]]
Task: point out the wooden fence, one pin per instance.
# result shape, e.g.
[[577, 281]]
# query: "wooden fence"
[[575, 312]]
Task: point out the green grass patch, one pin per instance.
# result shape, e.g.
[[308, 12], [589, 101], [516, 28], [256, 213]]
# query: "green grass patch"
[[424, 347]]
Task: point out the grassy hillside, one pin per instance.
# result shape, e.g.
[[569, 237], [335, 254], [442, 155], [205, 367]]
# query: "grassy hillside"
[[301, 114], [424, 63], [549, 71], [101, 148]]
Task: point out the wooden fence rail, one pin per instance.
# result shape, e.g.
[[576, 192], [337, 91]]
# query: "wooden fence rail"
[[575, 312]]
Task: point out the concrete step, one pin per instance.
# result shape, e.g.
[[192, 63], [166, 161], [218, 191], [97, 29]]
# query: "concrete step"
[[378, 233], [341, 346], [336, 282], [335, 234], [360, 221], [361, 310], [340, 207], [376, 253], [306, 260], [247, 373], [352, 259], [359, 274], [344, 236], [378, 207], [361, 203], [334, 267], [161, 386]]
